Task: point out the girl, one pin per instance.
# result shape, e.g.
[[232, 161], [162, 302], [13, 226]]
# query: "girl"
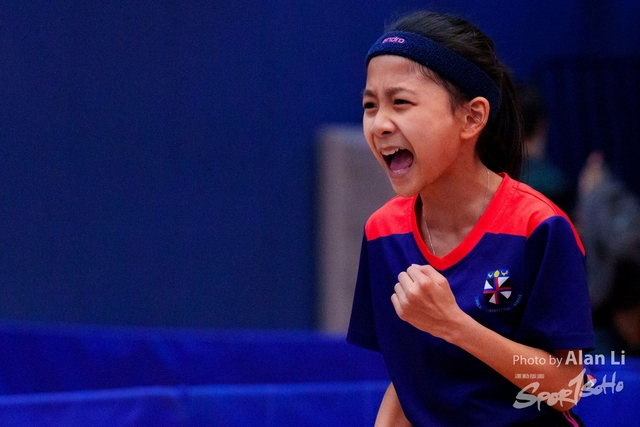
[[471, 284]]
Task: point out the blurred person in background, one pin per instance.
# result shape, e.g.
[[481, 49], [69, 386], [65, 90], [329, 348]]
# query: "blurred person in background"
[[538, 171], [617, 319], [608, 219]]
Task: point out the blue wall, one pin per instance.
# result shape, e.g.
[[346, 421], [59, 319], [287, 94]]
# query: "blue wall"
[[157, 161]]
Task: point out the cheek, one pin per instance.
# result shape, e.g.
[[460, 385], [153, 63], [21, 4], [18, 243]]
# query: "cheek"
[[366, 123], [372, 148], [366, 126]]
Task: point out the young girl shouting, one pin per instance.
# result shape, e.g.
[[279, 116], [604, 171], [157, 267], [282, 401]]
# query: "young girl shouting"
[[471, 284]]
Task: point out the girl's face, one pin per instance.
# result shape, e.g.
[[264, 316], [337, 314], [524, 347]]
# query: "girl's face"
[[409, 124]]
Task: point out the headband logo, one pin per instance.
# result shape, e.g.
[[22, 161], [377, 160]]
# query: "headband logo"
[[393, 40]]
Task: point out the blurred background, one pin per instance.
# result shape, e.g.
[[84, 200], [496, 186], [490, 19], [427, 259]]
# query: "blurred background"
[[159, 161], [183, 186]]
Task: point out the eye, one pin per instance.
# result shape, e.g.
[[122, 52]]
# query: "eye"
[[368, 105], [400, 102]]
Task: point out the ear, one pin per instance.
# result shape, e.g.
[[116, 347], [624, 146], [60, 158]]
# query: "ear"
[[475, 117]]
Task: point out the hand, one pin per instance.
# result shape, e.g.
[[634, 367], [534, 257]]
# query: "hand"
[[424, 299]]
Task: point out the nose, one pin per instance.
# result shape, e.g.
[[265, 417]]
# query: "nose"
[[381, 123]]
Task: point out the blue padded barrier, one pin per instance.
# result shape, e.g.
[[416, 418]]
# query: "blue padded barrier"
[[97, 376], [42, 359], [269, 405], [152, 406], [311, 404]]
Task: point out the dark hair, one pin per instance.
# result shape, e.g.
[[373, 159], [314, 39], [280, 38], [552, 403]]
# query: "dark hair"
[[500, 146]]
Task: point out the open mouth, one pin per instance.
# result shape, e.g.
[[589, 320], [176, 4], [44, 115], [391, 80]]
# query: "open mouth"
[[399, 160]]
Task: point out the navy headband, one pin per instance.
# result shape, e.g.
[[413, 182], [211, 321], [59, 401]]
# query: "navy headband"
[[448, 64]]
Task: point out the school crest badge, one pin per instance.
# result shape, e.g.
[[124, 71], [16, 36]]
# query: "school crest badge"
[[497, 287]]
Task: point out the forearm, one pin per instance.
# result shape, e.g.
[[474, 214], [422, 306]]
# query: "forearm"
[[424, 299], [559, 379], [390, 413]]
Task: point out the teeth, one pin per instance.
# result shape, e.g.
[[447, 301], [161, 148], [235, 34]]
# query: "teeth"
[[389, 151]]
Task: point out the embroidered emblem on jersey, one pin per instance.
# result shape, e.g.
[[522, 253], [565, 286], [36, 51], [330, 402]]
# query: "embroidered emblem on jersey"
[[497, 287], [500, 292]]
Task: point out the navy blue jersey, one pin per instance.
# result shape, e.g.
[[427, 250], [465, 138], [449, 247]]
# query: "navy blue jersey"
[[519, 272]]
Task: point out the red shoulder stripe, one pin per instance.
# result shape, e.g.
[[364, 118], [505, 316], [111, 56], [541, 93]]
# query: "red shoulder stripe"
[[394, 217], [525, 211]]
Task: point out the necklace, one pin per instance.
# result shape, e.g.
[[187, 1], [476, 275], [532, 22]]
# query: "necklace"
[[484, 204]]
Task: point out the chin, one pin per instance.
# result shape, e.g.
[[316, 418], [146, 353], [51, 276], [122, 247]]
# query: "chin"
[[403, 190]]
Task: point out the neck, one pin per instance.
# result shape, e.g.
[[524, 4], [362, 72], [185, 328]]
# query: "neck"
[[451, 208]]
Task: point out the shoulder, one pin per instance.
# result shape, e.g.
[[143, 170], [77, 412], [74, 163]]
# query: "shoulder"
[[533, 205], [394, 217], [525, 210]]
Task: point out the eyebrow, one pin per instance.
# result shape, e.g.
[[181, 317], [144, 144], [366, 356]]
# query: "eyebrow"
[[388, 93]]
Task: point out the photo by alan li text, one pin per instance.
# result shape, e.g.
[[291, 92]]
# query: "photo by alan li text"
[[573, 358]]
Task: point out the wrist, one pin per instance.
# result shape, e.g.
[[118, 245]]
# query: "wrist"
[[460, 329]]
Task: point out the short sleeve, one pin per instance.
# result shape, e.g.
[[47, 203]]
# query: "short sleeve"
[[558, 311], [362, 331]]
